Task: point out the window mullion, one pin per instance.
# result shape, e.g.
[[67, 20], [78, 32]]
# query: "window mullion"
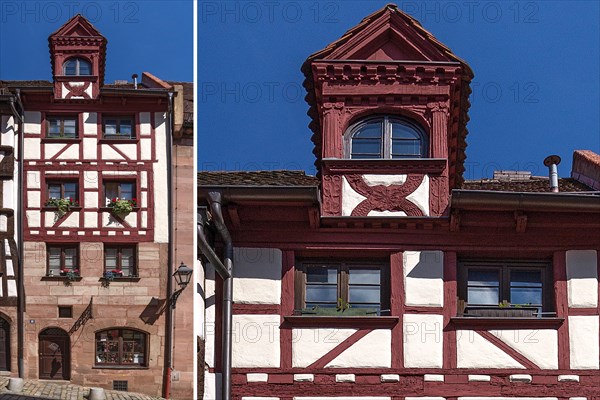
[[387, 138]]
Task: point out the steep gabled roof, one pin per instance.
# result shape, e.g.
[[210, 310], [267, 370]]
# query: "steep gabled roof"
[[396, 36]]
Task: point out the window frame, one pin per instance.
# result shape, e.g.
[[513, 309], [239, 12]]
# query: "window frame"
[[118, 135], [386, 149], [133, 269], [119, 182], [62, 119], [504, 268], [63, 246], [77, 61], [343, 281], [120, 364], [62, 182]]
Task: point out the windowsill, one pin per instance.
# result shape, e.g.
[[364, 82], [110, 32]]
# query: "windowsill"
[[117, 140], [109, 209], [119, 367], [53, 208], [311, 321], [61, 140], [506, 323], [123, 279], [60, 278]]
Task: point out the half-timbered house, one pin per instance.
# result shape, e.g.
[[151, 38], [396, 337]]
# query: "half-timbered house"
[[388, 276]]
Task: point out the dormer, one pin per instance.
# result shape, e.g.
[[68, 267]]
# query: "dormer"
[[389, 109], [77, 52]]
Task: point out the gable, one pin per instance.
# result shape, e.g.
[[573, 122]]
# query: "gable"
[[77, 26]]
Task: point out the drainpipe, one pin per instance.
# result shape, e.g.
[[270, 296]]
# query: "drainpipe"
[[551, 162], [208, 252], [170, 311], [215, 199], [21, 224]]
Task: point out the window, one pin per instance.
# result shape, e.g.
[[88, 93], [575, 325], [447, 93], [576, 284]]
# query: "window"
[[121, 347], [120, 260], [336, 288], [119, 128], [505, 289], [62, 127], [386, 137], [119, 190], [65, 311], [63, 190], [77, 67], [62, 260]]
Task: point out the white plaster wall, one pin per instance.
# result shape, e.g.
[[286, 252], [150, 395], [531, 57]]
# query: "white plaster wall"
[[8, 187], [33, 122], [538, 345], [255, 341], [582, 278], [384, 180], [160, 180], [33, 180], [90, 179], [91, 199], [33, 219], [423, 341], [350, 198], [583, 342], [424, 398], [424, 278], [90, 148], [72, 221], [374, 213], [108, 153], [131, 219], [309, 345], [145, 128], [199, 303], [257, 273], [473, 351], [209, 316], [72, 153], [90, 123], [378, 346], [7, 131], [109, 222], [31, 148], [144, 180], [50, 149], [146, 149], [33, 199], [3, 223], [144, 200], [90, 220], [212, 386], [129, 149], [420, 196]]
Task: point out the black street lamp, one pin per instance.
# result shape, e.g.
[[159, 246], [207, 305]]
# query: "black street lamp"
[[182, 276]]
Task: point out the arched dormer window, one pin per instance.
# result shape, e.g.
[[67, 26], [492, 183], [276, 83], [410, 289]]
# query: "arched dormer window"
[[77, 67], [121, 347], [386, 137]]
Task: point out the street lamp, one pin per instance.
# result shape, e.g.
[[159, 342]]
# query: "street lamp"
[[182, 276]]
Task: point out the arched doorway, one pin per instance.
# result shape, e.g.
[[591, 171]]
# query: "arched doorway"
[[55, 354], [4, 345]]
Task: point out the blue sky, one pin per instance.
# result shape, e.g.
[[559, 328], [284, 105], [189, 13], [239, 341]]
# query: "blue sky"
[[152, 36], [536, 87]]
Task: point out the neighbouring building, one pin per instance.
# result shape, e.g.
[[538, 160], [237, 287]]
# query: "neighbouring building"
[[388, 276], [106, 194]]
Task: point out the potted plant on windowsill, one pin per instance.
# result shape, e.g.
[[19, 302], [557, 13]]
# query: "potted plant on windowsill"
[[62, 205], [342, 309], [71, 275], [109, 276], [121, 207], [503, 310]]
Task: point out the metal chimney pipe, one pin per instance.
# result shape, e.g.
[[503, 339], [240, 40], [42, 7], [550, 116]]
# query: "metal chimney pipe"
[[135, 76], [552, 162]]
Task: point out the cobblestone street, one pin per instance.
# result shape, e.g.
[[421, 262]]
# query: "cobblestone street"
[[46, 390]]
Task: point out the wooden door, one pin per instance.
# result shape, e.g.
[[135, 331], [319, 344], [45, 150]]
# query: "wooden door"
[[55, 354], [4, 345]]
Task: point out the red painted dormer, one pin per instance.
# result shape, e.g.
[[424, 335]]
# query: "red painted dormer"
[[78, 54], [389, 109]]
